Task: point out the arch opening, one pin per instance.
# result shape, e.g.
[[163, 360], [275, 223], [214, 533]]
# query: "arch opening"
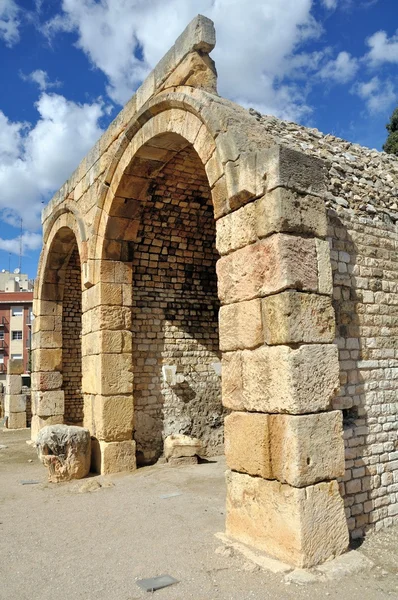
[[163, 211], [60, 310]]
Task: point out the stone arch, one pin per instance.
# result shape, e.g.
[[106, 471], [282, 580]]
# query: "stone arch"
[[56, 342]]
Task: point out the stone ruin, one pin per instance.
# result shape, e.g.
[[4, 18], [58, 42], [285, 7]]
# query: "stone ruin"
[[197, 232]]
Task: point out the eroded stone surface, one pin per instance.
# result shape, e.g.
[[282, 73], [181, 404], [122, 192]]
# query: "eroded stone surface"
[[65, 450], [300, 526]]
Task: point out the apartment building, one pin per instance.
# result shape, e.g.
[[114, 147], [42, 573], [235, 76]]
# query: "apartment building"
[[15, 329]]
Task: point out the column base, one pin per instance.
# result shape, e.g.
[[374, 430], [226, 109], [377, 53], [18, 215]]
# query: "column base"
[[300, 526], [112, 457]]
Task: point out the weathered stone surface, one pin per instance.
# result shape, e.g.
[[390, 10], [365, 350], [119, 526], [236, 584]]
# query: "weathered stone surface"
[[293, 317], [295, 170], [65, 451], [109, 418], [13, 384], [281, 379], [247, 443], [113, 457], [306, 449], [48, 403], [301, 526], [38, 423], [283, 210], [240, 325], [14, 403], [325, 279], [15, 367], [16, 420], [180, 446], [46, 381], [272, 265]]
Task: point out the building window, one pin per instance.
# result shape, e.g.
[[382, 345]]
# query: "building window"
[[16, 335], [17, 311], [1, 358], [1, 335], [16, 356]]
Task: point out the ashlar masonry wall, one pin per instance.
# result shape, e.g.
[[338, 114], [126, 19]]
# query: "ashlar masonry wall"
[[175, 313], [362, 201]]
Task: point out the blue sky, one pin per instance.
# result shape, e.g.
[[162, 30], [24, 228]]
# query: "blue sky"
[[67, 67]]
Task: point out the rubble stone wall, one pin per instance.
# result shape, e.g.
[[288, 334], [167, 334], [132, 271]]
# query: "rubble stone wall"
[[71, 340], [175, 312]]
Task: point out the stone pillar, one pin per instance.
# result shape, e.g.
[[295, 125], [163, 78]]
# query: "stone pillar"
[[46, 379], [107, 368], [284, 446], [15, 401]]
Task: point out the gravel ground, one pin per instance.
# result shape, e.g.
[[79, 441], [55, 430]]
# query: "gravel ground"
[[94, 538]]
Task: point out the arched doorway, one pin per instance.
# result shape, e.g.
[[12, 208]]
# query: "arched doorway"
[[57, 363]]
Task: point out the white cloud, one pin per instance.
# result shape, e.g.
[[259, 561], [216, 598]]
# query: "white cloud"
[[330, 4], [378, 95], [9, 22], [382, 48], [36, 160], [42, 79], [126, 38], [340, 70], [30, 241]]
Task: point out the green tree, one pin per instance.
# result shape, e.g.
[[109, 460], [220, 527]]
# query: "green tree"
[[391, 144]]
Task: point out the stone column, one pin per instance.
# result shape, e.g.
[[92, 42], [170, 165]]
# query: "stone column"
[[46, 379], [284, 446], [107, 368], [15, 401]]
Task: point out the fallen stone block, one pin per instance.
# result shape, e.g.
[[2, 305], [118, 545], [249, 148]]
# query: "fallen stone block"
[[65, 451], [181, 446]]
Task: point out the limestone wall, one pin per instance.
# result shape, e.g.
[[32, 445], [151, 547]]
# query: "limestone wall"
[[175, 312], [71, 339], [363, 208]]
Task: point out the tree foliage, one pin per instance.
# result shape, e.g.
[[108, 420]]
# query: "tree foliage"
[[391, 143]]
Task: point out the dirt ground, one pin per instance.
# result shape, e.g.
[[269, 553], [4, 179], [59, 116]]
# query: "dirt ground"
[[94, 538]]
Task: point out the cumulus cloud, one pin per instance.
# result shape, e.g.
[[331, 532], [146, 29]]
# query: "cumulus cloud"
[[36, 160], [41, 78], [340, 70], [330, 4], [9, 22], [378, 95], [126, 38], [30, 241], [382, 48]]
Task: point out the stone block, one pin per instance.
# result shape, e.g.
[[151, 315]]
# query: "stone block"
[[269, 266], [325, 278], [281, 379], [116, 374], [293, 317], [245, 177], [38, 423], [306, 449], [113, 457], [295, 170], [15, 367], [48, 403], [112, 418], [199, 34], [240, 325], [14, 403], [16, 420], [236, 230], [13, 384], [301, 526], [247, 443], [51, 380], [178, 446], [285, 211], [47, 360]]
